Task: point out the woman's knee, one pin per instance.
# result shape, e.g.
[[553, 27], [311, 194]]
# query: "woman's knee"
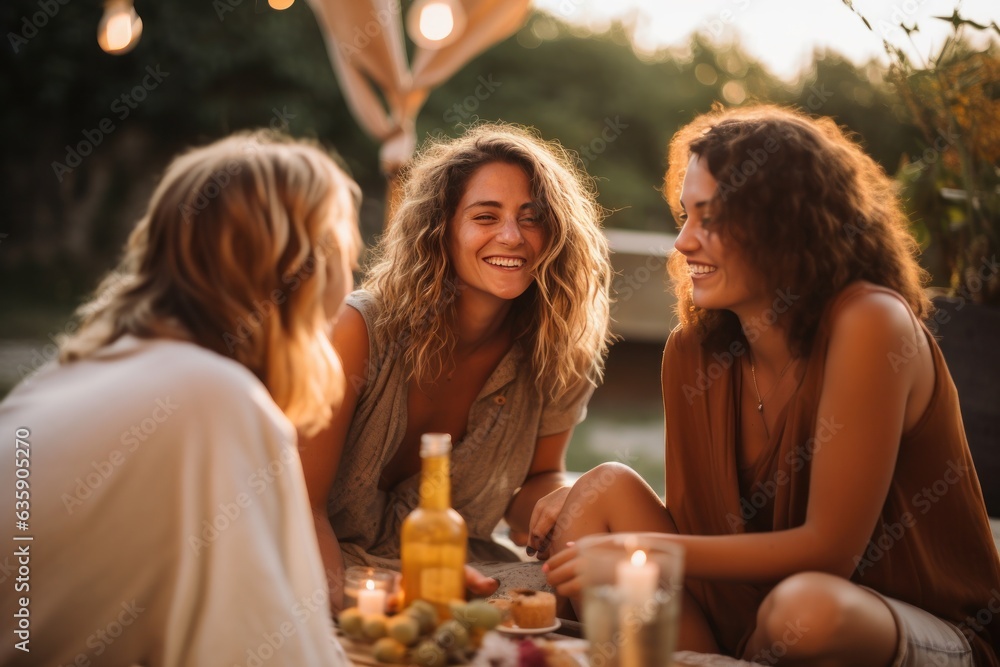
[[607, 478], [591, 492], [802, 616], [612, 472]]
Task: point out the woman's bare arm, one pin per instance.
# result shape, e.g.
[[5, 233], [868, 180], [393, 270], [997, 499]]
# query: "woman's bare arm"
[[546, 482], [321, 453], [860, 416]]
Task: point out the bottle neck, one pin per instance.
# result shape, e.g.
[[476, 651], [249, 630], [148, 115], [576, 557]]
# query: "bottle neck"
[[435, 483]]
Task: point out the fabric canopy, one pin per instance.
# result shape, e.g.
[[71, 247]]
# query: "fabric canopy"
[[365, 42]]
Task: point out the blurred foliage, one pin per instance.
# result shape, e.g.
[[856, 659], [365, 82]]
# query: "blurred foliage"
[[221, 71], [956, 104], [952, 182]]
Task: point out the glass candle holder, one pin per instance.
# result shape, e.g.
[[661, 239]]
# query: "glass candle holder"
[[632, 588], [372, 586]]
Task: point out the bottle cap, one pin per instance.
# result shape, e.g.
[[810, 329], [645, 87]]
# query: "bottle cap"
[[435, 444]]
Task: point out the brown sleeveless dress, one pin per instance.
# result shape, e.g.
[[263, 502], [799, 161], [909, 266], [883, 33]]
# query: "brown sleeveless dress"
[[932, 546]]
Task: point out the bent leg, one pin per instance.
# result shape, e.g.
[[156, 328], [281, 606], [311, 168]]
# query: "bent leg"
[[613, 498], [815, 618]]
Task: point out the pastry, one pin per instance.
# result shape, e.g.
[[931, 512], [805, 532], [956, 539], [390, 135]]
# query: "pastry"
[[533, 609]]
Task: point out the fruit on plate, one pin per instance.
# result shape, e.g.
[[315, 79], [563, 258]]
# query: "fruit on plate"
[[374, 626], [389, 650], [429, 654], [484, 615], [416, 635], [452, 635], [351, 621], [404, 628], [425, 613]]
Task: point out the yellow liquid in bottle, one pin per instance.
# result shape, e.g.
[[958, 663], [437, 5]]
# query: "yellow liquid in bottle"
[[434, 537]]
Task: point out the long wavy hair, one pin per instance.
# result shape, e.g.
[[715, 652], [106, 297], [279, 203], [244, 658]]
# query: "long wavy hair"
[[562, 319], [808, 208], [233, 255]]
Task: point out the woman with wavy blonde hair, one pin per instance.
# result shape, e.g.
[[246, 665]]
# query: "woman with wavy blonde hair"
[[162, 444], [817, 470], [485, 315], [247, 273]]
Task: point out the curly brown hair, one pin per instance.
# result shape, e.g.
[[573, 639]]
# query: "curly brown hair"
[[563, 319], [808, 207]]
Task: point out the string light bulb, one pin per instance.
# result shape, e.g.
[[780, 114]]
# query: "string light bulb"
[[280, 4], [120, 27], [434, 24]]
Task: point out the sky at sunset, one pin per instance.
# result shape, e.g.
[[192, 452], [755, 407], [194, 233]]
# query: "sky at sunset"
[[781, 33]]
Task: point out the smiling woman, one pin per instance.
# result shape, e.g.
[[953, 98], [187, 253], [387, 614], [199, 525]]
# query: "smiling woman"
[[720, 276], [485, 315], [817, 469], [496, 234]]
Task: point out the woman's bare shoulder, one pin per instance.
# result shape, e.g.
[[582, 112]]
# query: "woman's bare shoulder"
[[350, 338], [877, 329], [874, 315]]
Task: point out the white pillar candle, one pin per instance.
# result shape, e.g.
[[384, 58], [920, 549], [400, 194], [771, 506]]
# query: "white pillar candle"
[[371, 600], [637, 579]]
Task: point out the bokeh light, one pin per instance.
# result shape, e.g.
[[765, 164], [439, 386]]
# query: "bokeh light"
[[119, 29], [433, 24]]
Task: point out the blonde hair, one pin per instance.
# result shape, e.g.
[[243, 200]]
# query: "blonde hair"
[[562, 319], [232, 254]]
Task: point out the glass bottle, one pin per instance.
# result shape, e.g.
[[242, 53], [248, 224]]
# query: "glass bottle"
[[434, 538]]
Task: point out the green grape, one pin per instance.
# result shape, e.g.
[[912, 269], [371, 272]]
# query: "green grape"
[[459, 611], [388, 649], [483, 615], [404, 628], [429, 654], [452, 635], [351, 621], [374, 626], [425, 614]]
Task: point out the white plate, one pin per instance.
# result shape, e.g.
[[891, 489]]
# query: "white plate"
[[514, 630]]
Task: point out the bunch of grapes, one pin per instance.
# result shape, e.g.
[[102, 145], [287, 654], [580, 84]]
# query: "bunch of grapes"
[[418, 635]]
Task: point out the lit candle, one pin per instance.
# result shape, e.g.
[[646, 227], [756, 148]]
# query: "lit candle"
[[637, 579], [371, 600]]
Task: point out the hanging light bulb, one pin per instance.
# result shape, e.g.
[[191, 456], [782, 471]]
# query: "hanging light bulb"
[[280, 4], [434, 24], [120, 27]]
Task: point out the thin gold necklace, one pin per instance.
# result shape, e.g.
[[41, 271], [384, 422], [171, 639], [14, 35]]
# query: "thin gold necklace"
[[761, 399]]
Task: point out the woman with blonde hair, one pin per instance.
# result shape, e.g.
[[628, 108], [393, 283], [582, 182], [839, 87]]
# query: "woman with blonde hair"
[[156, 462], [817, 471], [484, 315]]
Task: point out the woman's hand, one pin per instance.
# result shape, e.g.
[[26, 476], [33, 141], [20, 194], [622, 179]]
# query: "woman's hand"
[[543, 522], [563, 572], [478, 584], [547, 474]]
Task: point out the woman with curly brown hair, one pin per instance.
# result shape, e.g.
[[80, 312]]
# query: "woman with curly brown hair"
[[485, 315], [817, 471]]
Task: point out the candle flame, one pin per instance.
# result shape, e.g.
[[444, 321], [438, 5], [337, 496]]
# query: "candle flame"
[[639, 558], [370, 585]]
